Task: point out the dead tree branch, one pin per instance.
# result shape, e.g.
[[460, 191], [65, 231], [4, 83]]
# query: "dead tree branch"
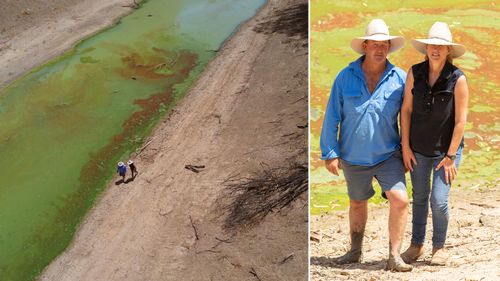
[[194, 168], [252, 271], [254, 197], [287, 258], [194, 228], [223, 240]]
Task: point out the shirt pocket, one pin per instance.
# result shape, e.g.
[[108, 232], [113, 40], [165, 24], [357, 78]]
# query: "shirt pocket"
[[443, 102], [353, 101], [393, 100]]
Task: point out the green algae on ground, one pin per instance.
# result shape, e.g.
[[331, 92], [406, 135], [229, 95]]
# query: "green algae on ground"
[[481, 108], [64, 126]]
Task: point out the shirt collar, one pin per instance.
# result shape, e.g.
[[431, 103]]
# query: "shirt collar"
[[445, 74], [358, 71]]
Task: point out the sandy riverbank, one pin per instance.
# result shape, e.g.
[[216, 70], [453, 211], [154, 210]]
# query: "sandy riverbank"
[[34, 32], [246, 113], [472, 242]]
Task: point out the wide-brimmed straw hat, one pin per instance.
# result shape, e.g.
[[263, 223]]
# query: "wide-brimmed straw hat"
[[121, 164], [130, 162], [377, 30], [439, 34]]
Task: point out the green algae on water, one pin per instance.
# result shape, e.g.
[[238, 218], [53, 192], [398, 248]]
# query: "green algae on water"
[[473, 23]]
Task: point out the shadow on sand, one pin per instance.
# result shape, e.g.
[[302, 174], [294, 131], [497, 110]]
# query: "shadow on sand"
[[120, 181], [331, 262]]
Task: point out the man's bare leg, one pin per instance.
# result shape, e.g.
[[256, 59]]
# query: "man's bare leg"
[[398, 213]]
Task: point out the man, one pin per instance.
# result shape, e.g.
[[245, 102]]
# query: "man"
[[360, 135], [122, 170]]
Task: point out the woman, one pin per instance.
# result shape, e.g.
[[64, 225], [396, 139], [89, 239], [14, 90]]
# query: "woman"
[[133, 168], [433, 117]]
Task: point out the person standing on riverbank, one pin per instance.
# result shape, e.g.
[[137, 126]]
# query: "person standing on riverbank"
[[122, 170], [133, 168], [433, 119], [360, 135]]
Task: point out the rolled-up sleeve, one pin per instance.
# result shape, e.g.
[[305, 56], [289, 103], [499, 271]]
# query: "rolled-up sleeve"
[[331, 121]]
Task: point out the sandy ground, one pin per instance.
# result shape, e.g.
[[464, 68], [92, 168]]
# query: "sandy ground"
[[472, 241], [246, 113], [32, 32]]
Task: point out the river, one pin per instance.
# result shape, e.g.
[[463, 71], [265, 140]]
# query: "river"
[[64, 126]]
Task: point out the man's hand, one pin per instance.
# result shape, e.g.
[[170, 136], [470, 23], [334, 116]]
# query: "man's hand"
[[333, 166]]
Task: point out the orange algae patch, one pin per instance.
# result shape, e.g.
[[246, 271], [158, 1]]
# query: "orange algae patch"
[[150, 110], [487, 53], [148, 66], [491, 31], [486, 71], [316, 161], [432, 11], [336, 20], [319, 96], [408, 56]]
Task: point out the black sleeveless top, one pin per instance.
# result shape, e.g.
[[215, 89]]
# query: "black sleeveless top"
[[433, 115]]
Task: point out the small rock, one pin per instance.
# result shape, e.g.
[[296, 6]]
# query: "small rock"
[[316, 236], [487, 220]]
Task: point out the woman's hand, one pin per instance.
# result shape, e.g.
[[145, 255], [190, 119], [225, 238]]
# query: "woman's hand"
[[450, 171], [409, 158]]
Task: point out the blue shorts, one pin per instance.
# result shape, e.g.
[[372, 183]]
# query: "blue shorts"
[[390, 174]]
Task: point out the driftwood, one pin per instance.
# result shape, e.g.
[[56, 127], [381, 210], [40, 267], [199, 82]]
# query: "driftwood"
[[223, 240], [194, 228], [254, 273], [207, 251], [194, 168], [287, 258], [145, 146]]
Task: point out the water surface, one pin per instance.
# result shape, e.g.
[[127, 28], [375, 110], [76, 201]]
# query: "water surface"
[[473, 23]]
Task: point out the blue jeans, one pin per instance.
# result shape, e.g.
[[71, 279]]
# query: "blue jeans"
[[421, 180]]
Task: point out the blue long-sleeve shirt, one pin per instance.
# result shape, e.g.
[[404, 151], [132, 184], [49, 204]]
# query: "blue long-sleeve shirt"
[[359, 127], [121, 169]]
